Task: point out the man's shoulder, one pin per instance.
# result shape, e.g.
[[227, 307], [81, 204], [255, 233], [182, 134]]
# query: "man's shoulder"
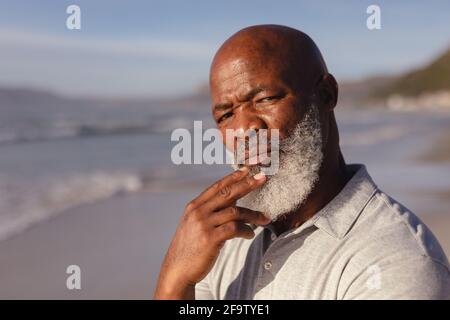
[[388, 229], [390, 243]]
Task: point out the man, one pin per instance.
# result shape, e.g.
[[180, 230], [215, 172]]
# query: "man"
[[318, 228]]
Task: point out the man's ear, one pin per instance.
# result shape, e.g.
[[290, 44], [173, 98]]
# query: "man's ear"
[[327, 91]]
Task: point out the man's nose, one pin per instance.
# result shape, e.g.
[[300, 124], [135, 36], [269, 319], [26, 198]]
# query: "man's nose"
[[246, 126], [246, 122]]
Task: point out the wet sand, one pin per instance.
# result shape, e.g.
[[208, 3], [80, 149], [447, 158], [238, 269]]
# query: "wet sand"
[[118, 244]]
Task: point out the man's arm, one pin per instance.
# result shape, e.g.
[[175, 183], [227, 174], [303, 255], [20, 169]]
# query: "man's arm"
[[208, 221]]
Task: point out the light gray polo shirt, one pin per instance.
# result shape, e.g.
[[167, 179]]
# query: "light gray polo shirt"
[[361, 245]]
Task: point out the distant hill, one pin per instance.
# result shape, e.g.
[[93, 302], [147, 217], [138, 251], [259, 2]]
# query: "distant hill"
[[431, 78], [48, 101], [425, 87], [353, 94], [29, 115]]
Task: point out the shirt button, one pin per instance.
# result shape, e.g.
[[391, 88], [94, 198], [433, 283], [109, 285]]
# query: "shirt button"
[[273, 236], [268, 265]]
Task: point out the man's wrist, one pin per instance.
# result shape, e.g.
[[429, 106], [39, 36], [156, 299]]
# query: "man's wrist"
[[176, 292], [171, 287]]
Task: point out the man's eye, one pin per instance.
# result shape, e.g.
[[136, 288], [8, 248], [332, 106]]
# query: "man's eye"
[[225, 116], [267, 99]]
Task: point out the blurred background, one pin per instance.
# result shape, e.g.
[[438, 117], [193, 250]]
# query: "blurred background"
[[86, 117]]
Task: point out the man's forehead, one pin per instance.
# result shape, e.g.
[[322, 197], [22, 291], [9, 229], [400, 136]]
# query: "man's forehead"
[[224, 68], [240, 75]]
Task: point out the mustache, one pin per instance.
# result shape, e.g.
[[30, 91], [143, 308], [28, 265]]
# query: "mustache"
[[248, 150]]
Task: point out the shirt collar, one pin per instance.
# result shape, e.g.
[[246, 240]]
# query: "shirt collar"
[[339, 215]]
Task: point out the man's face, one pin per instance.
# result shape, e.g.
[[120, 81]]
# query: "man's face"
[[249, 95]]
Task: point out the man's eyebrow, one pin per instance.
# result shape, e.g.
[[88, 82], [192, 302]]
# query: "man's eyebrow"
[[249, 95], [254, 92], [222, 106]]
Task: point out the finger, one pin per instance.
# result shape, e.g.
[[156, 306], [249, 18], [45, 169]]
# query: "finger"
[[239, 214], [228, 194], [218, 185], [233, 229]]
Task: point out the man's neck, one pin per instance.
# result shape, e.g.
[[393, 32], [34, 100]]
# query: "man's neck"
[[332, 179]]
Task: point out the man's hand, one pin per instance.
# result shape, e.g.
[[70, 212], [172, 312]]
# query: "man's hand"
[[208, 221]]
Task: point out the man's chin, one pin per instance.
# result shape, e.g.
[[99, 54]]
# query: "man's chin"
[[276, 202]]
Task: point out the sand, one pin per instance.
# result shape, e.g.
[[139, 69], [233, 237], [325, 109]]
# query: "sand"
[[118, 244]]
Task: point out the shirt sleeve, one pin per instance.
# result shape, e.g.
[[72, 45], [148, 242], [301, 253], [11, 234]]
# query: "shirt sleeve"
[[412, 278], [203, 290]]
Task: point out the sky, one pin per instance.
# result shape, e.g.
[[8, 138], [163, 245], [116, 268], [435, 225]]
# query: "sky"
[[164, 48]]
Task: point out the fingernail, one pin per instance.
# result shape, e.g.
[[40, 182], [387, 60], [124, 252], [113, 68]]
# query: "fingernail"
[[267, 219], [259, 176]]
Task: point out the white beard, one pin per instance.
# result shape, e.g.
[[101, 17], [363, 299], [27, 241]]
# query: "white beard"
[[299, 164]]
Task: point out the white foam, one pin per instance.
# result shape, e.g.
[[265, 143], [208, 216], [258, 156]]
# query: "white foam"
[[24, 203]]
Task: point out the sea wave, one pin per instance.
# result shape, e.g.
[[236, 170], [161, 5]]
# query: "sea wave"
[[67, 130], [25, 202], [373, 136]]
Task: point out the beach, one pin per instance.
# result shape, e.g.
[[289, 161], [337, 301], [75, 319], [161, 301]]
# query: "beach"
[[118, 237], [118, 245]]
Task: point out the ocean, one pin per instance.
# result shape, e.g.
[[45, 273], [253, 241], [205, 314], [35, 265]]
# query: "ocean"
[[52, 160]]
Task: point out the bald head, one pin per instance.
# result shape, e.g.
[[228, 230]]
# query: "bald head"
[[290, 52], [267, 77]]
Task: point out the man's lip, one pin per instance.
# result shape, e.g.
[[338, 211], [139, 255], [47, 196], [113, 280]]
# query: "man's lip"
[[257, 159]]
